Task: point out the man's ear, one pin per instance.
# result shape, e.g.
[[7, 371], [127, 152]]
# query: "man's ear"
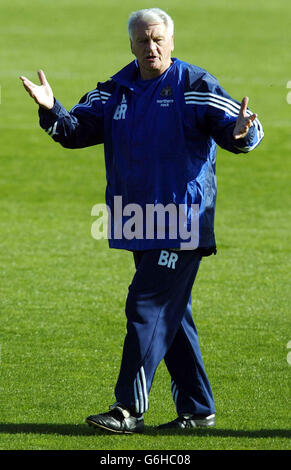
[[131, 46]]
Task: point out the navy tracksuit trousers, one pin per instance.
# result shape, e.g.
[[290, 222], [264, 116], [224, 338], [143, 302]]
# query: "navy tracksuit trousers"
[[160, 326]]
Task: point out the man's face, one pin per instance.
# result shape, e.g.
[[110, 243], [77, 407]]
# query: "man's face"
[[152, 46]]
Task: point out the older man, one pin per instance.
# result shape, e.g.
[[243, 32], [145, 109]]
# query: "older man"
[[160, 120]]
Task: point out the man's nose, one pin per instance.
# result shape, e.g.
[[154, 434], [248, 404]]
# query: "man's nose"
[[151, 46]]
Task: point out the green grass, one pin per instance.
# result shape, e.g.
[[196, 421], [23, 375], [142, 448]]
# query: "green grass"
[[63, 293]]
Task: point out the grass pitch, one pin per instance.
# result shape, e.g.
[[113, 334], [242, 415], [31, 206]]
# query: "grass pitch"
[[63, 293]]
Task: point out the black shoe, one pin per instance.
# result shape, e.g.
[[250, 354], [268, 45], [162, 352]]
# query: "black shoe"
[[189, 421], [118, 419]]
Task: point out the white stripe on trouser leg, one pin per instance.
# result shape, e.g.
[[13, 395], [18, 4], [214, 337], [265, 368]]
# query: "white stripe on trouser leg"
[[175, 391], [136, 397], [140, 392], [144, 384]]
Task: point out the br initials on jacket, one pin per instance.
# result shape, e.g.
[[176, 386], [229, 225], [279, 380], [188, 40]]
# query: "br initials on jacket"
[[121, 109]]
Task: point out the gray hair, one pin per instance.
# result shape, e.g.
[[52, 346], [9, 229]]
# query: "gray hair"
[[150, 14]]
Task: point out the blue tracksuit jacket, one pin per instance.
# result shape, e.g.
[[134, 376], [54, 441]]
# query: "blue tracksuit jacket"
[[160, 139]]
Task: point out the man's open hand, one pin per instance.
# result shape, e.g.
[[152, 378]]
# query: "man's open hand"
[[243, 122], [42, 94]]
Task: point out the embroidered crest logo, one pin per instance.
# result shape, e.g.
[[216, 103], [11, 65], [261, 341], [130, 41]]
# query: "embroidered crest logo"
[[167, 97], [166, 92]]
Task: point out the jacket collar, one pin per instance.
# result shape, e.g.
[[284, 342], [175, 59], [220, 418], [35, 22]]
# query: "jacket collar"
[[130, 73]]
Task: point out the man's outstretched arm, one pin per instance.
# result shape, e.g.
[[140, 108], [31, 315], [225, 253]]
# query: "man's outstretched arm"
[[233, 126], [81, 127]]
